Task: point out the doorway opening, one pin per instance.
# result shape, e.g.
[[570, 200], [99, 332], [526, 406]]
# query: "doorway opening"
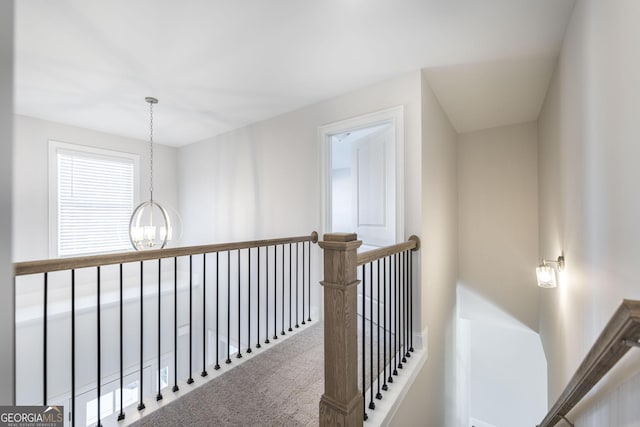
[[363, 185]]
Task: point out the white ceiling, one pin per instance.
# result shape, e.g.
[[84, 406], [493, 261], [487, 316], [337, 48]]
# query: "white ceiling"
[[490, 94], [217, 65]]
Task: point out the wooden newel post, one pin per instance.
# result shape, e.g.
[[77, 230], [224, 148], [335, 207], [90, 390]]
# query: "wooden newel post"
[[342, 403]]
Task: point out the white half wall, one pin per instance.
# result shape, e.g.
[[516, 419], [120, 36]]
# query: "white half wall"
[[590, 199], [31, 178], [7, 362]]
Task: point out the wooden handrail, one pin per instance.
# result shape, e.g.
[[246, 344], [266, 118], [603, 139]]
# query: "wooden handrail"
[[366, 257], [622, 331], [59, 264]]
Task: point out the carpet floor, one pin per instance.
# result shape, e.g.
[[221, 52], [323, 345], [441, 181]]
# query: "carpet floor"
[[279, 387]]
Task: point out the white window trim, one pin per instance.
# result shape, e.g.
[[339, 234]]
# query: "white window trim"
[[57, 146]]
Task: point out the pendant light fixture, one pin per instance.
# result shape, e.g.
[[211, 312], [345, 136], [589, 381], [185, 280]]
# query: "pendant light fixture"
[[150, 226]]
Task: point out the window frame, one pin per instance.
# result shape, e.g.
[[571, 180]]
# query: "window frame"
[[89, 151]]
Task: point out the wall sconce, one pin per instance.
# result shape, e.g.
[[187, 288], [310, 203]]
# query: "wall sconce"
[[547, 272]]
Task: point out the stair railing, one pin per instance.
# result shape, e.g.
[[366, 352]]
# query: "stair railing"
[[250, 292], [621, 333], [386, 316]]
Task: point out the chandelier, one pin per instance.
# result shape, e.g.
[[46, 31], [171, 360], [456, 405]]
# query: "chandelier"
[[150, 225]]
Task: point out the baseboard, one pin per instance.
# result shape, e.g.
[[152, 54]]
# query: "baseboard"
[[420, 339], [387, 407]]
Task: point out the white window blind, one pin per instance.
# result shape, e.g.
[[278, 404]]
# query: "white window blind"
[[95, 196]]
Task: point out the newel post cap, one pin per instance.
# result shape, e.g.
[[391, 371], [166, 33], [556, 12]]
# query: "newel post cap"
[[340, 237], [340, 241]]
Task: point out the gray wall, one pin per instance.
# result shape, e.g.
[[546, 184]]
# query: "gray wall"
[[431, 400], [6, 190], [498, 218], [589, 199]]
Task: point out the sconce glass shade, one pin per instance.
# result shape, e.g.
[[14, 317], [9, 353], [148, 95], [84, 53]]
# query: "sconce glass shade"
[[149, 226], [547, 276]]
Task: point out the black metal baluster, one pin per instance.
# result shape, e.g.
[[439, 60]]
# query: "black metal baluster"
[[258, 314], [175, 325], [190, 379], [159, 395], [141, 405], [290, 293], [404, 305], [217, 366], [249, 300], [98, 350], [204, 372], [275, 292], [372, 404], [364, 341], [303, 271], [387, 327], [73, 347], [411, 300], [378, 395], [297, 274], [309, 283], [396, 315], [228, 308], [44, 339], [400, 333], [401, 286], [282, 306], [408, 306], [266, 316], [384, 324], [121, 414], [239, 355]]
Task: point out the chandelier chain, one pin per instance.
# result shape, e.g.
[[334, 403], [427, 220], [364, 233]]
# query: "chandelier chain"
[[151, 151]]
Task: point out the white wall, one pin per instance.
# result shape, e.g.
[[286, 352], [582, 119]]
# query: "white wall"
[[431, 399], [6, 167], [589, 198], [263, 180], [498, 218], [497, 292], [507, 364], [31, 179]]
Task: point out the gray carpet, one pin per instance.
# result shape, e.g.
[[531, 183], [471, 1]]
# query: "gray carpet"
[[259, 392], [279, 387]]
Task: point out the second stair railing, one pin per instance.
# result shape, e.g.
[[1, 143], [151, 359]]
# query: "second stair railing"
[[368, 317]]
